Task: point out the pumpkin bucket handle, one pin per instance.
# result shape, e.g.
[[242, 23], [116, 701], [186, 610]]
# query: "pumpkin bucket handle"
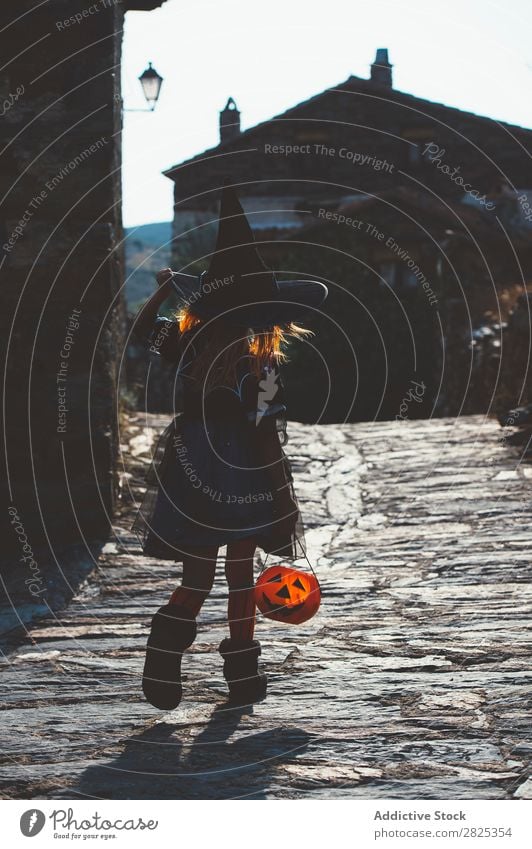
[[309, 563]]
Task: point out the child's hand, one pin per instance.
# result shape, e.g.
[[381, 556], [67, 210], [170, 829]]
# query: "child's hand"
[[164, 276]]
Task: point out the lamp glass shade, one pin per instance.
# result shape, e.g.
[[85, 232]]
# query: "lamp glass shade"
[[151, 83]]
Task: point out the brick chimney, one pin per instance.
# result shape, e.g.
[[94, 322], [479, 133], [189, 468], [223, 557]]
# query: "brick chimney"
[[381, 70], [229, 121]]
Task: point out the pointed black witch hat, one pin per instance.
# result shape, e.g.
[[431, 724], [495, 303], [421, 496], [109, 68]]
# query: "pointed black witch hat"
[[239, 287]]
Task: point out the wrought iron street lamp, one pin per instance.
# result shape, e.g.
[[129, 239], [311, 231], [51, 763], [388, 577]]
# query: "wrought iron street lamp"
[[151, 83]]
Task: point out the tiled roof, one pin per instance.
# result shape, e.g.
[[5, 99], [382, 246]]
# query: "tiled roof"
[[362, 87]]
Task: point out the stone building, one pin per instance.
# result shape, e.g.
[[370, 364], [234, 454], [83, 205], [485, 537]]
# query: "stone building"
[[416, 214], [61, 265], [358, 138], [415, 281]]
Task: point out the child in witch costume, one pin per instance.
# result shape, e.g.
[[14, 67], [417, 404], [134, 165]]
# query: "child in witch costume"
[[220, 476]]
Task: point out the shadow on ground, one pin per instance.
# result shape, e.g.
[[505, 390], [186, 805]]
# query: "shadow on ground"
[[157, 764]]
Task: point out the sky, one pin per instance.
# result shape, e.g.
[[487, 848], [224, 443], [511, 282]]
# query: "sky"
[[471, 54]]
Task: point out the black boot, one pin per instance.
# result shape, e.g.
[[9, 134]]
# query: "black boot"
[[173, 629], [241, 659]]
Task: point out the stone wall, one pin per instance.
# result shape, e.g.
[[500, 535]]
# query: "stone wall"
[[61, 259]]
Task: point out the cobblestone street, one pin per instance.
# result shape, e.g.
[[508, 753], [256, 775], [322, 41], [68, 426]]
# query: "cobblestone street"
[[411, 682]]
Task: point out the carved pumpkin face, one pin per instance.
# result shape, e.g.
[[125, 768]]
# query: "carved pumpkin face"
[[287, 595]]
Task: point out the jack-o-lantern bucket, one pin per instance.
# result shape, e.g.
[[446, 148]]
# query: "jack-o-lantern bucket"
[[287, 594]]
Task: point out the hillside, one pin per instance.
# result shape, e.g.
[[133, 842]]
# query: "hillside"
[[147, 250]]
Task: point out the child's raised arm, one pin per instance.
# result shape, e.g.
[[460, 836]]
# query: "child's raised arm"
[[145, 318]]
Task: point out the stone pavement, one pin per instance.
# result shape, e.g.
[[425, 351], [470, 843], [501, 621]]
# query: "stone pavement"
[[411, 682]]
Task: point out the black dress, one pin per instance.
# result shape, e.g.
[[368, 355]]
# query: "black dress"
[[206, 484]]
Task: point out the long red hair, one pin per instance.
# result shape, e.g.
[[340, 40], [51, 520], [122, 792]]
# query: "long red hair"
[[225, 344]]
